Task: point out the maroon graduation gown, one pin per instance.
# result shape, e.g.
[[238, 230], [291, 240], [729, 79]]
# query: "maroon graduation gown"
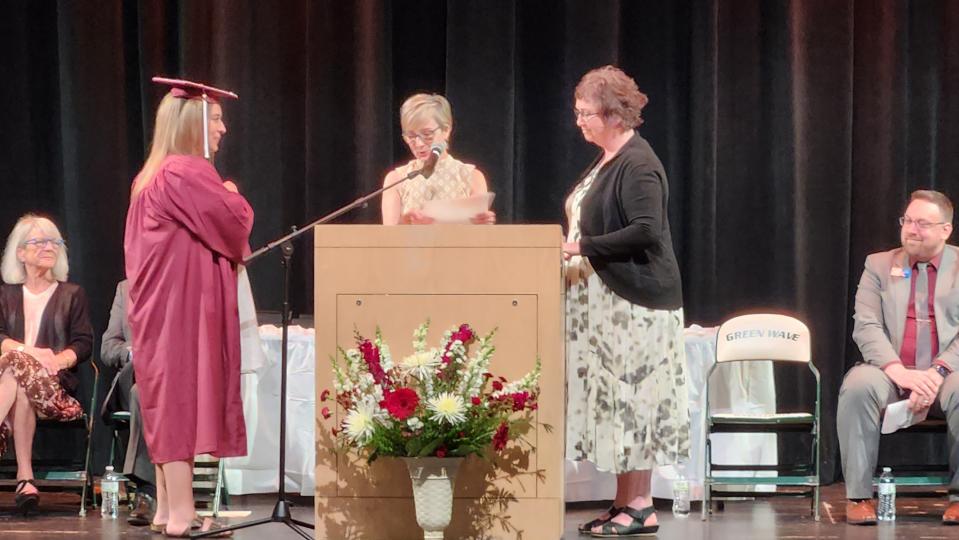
[[185, 233]]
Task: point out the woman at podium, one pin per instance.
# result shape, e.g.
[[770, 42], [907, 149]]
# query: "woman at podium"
[[427, 123], [626, 390]]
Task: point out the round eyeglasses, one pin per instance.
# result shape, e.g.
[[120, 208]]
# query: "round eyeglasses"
[[585, 115], [43, 242], [425, 135], [905, 221]]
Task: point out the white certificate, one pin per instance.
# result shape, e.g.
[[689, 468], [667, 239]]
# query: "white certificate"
[[457, 210]]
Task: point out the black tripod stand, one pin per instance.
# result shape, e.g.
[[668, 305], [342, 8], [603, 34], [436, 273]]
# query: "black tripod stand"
[[282, 508]]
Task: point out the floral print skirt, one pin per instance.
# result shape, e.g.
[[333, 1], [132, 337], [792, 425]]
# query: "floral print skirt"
[[626, 404], [47, 398]]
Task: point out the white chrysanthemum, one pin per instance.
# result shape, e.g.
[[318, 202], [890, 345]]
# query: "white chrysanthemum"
[[447, 407], [359, 424], [421, 364], [414, 423]]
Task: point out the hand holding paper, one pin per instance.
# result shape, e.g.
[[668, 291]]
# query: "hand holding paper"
[[458, 210], [899, 416]]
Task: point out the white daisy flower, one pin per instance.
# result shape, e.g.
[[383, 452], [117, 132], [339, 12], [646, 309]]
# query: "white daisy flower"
[[447, 407], [359, 424], [421, 364]]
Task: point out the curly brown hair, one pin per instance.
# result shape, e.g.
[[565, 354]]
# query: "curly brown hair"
[[617, 94]]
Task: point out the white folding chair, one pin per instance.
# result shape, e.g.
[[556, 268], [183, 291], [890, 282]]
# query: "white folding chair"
[[752, 338]]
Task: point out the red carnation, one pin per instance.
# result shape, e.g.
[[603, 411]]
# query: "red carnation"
[[519, 400], [371, 354], [325, 395], [401, 403], [441, 451], [497, 386], [326, 412], [501, 437], [464, 334], [476, 400]]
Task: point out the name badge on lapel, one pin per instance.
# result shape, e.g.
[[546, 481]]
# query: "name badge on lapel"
[[900, 272]]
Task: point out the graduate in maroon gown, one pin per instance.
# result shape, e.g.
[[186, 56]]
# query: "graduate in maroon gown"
[[186, 231]]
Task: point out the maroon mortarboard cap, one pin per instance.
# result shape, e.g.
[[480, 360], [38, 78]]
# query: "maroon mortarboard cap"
[[189, 89], [193, 90]]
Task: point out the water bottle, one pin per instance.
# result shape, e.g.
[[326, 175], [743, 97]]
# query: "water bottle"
[[680, 494], [110, 493], [887, 496]]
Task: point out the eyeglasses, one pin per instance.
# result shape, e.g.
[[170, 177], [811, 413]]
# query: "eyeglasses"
[[43, 242], [426, 135], [905, 221], [583, 114]]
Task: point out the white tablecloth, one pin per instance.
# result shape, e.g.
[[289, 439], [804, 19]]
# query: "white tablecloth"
[[257, 472], [737, 388]]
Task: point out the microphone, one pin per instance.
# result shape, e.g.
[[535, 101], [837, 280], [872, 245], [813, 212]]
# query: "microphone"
[[435, 152]]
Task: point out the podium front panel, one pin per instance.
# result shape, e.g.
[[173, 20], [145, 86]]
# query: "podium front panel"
[[504, 277]]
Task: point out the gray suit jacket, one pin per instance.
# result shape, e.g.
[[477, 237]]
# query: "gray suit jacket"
[[115, 352], [115, 346], [881, 305]]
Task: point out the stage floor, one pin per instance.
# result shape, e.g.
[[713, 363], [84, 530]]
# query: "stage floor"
[[741, 520]]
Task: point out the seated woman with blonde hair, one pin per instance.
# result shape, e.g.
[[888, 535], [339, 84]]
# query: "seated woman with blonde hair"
[[45, 333], [427, 123]]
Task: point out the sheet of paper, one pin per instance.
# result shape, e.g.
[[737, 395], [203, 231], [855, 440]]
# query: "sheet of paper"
[[457, 210], [898, 416]]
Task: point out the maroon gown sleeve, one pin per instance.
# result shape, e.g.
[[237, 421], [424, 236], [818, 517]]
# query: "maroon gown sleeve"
[[219, 218]]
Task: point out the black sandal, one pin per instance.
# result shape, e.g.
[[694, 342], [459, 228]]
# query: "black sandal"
[[636, 528], [587, 528], [26, 502]]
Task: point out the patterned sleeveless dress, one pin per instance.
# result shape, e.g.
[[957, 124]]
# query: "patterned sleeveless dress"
[[450, 180]]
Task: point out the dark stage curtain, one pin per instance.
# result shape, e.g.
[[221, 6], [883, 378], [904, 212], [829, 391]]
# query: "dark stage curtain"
[[792, 132]]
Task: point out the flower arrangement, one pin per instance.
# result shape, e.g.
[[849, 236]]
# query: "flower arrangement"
[[435, 402]]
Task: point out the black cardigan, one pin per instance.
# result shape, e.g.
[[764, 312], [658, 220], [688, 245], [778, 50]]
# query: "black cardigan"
[[625, 228], [64, 324]]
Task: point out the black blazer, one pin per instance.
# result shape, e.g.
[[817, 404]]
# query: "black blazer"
[[64, 324], [625, 228]]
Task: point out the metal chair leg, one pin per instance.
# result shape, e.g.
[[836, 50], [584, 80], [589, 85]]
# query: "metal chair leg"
[[218, 489], [88, 476]]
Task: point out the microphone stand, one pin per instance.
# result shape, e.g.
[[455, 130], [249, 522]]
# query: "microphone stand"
[[282, 509]]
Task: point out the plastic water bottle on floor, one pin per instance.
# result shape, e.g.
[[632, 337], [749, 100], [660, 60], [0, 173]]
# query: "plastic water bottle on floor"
[[680, 493], [110, 493], [887, 496]]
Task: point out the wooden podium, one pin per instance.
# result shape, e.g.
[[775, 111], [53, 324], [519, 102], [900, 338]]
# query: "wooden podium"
[[506, 277]]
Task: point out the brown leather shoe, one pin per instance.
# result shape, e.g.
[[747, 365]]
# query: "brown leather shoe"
[[951, 516], [861, 513], [144, 508]]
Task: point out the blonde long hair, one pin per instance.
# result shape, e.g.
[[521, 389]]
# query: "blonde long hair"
[[178, 131]]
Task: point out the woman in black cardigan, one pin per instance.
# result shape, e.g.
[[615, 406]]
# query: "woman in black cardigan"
[[45, 333], [626, 390]]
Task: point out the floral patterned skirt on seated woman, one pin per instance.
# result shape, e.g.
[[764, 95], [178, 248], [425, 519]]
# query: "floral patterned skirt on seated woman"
[[47, 398]]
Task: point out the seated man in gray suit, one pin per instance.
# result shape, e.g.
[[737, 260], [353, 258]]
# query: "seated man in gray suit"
[[906, 324], [115, 351]]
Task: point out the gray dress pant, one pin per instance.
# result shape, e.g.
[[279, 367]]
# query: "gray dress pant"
[[137, 462], [865, 392]]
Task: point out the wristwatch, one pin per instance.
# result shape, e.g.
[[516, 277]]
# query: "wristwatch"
[[940, 369]]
